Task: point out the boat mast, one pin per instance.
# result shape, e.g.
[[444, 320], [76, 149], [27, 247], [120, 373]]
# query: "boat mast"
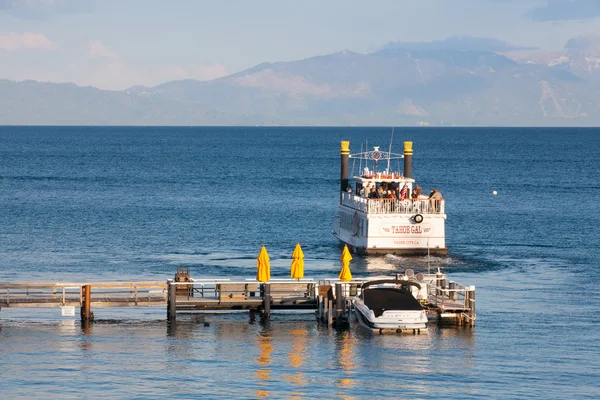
[[360, 163], [390, 150], [344, 155]]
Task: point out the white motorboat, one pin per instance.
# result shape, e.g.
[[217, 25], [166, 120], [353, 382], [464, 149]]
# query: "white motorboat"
[[389, 304]]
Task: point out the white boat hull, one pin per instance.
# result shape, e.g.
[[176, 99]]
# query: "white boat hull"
[[391, 319], [391, 233]]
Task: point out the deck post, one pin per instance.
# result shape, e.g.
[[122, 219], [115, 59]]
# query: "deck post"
[[330, 313], [438, 283], [86, 314], [267, 300], [318, 312], [171, 301], [472, 305], [451, 293], [339, 305], [443, 283], [321, 309]]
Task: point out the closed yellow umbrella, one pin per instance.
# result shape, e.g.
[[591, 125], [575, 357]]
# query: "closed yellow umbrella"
[[297, 271], [263, 267], [345, 274]]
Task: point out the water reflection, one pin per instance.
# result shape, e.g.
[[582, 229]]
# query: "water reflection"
[[297, 356], [345, 342], [86, 339], [251, 360], [263, 373]]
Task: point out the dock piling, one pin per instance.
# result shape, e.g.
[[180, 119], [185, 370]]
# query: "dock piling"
[[267, 300], [86, 314], [339, 305], [320, 308], [171, 301], [438, 283], [471, 305]]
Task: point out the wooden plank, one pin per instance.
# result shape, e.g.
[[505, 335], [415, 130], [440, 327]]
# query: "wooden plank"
[[289, 287], [157, 303], [232, 287], [40, 305], [232, 297], [51, 285], [324, 290], [231, 291]]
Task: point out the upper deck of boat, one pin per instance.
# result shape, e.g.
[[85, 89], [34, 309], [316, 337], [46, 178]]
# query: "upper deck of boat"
[[420, 205]]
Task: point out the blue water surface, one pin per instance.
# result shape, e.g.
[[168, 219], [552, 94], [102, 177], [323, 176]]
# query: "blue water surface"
[[134, 203]]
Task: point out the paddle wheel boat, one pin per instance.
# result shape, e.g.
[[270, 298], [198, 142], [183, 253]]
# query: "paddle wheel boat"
[[384, 212]]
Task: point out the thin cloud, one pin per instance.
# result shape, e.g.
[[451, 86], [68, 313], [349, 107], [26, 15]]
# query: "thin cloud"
[[98, 50], [208, 72], [583, 43], [563, 10], [460, 43], [14, 41], [42, 9]]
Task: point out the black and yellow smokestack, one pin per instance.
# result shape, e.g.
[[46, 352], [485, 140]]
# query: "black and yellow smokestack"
[[408, 153], [345, 154]]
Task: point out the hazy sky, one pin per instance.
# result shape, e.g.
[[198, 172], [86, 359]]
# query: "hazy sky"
[[119, 43]]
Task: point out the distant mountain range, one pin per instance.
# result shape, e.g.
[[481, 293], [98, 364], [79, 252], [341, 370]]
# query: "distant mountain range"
[[398, 85]]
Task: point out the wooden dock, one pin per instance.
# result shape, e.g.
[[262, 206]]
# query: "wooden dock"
[[329, 298]]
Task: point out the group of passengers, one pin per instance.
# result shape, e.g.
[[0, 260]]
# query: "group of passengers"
[[381, 193], [384, 191], [393, 191]]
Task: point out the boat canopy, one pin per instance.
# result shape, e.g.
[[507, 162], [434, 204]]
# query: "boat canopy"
[[381, 299]]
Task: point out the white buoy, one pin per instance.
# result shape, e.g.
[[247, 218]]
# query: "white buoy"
[[494, 193]]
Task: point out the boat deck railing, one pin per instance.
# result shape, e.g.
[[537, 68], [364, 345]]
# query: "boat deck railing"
[[393, 206]]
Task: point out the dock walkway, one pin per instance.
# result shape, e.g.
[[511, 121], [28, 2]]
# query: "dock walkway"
[[450, 302]]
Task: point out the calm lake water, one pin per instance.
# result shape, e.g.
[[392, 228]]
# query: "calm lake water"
[[116, 204]]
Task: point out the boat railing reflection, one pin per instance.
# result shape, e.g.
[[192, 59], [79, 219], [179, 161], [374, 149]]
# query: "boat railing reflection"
[[393, 206]]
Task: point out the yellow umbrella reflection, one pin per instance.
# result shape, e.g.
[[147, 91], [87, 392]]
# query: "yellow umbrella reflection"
[[297, 356], [297, 271], [264, 359], [346, 359], [263, 267], [345, 274]]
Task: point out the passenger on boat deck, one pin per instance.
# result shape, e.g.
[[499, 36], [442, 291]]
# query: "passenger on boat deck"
[[416, 192], [373, 194], [435, 198], [362, 192], [367, 190], [349, 189]]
